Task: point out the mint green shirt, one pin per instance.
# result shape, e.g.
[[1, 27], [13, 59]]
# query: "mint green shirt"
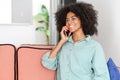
[[82, 60]]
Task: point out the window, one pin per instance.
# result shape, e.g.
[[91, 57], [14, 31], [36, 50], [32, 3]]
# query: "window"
[[20, 11], [15, 11]]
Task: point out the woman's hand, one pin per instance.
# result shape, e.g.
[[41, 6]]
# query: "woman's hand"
[[64, 38]]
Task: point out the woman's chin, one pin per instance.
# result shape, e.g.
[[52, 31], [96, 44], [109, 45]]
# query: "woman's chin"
[[71, 30]]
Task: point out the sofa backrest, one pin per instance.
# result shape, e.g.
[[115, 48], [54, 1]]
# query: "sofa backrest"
[[30, 66], [7, 62]]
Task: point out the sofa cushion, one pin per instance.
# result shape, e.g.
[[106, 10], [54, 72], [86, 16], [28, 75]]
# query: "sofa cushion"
[[7, 62], [30, 63]]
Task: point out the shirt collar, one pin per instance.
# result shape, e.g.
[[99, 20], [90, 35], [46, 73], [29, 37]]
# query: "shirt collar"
[[88, 37]]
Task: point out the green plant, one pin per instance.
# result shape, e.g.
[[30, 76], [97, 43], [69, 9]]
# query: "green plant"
[[43, 18]]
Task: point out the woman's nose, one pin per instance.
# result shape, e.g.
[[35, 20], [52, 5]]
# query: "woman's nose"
[[70, 22]]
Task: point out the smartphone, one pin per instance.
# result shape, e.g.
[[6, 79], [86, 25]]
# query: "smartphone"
[[66, 32]]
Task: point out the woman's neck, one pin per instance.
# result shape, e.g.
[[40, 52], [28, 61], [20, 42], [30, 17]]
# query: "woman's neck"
[[78, 35]]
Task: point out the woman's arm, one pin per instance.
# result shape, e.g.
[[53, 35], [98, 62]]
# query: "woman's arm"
[[99, 64], [60, 43], [49, 60], [54, 51]]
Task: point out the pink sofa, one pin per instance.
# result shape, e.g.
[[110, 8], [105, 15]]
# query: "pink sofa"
[[7, 62], [24, 63], [29, 63]]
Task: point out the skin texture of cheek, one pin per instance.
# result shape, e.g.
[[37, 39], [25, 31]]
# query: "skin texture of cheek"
[[73, 28]]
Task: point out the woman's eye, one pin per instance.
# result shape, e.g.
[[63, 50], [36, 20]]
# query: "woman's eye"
[[73, 18]]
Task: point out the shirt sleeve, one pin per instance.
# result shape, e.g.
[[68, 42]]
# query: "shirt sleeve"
[[50, 63], [99, 64]]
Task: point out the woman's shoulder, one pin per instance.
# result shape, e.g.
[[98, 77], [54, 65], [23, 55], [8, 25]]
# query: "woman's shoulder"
[[95, 43]]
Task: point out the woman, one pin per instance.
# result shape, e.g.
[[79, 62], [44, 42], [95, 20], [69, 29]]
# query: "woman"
[[77, 56]]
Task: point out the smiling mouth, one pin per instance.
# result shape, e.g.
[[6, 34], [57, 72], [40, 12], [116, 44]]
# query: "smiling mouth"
[[71, 26]]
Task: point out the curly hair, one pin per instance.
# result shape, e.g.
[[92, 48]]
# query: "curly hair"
[[84, 11]]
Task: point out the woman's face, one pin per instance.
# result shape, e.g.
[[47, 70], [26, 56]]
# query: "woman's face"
[[73, 23]]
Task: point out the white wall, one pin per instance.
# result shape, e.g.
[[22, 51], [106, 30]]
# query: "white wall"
[[17, 34], [108, 28]]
